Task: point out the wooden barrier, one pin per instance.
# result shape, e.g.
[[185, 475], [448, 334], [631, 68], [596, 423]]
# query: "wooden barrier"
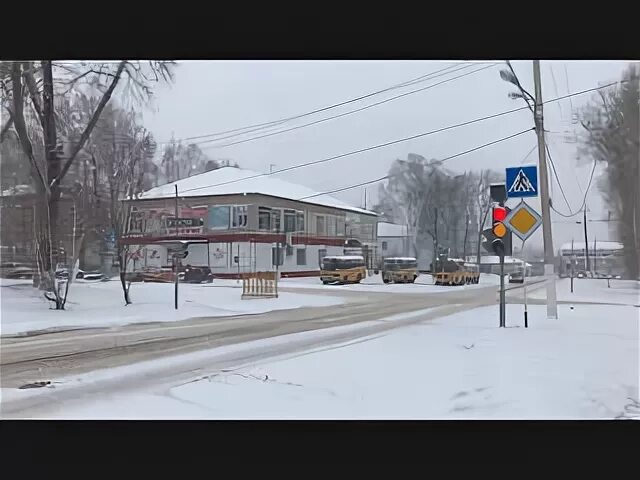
[[259, 285]]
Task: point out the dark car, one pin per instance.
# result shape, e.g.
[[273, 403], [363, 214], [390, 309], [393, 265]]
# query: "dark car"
[[19, 272], [16, 270], [197, 274], [516, 277]]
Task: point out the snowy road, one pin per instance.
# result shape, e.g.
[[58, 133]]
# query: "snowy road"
[[446, 362], [31, 358], [75, 352]]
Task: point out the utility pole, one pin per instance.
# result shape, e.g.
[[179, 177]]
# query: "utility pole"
[[587, 263], [552, 307]]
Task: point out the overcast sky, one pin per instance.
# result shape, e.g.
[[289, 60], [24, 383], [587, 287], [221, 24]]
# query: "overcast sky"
[[214, 96]]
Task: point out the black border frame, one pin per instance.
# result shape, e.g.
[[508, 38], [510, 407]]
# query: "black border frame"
[[315, 31], [351, 30], [216, 442]]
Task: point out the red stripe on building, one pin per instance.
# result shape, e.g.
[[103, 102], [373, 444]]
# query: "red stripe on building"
[[134, 239]]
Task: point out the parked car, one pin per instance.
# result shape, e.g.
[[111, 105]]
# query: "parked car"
[[581, 274], [16, 270], [197, 274], [89, 275], [516, 277], [19, 272]]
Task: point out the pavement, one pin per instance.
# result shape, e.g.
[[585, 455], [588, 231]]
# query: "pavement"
[[26, 359]]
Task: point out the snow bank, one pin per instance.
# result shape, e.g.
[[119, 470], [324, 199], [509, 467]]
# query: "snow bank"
[[584, 365], [101, 304], [460, 366], [622, 292]]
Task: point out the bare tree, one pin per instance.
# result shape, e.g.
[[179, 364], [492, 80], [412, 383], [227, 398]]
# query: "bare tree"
[[123, 151], [612, 138], [32, 84]]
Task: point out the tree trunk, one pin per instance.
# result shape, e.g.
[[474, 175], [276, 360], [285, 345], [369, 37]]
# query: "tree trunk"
[[466, 234]]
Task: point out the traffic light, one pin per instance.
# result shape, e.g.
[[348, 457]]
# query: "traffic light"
[[499, 230], [498, 227]]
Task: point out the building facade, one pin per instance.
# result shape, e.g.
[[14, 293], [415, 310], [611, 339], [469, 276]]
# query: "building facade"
[[244, 216], [604, 257], [393, 240]]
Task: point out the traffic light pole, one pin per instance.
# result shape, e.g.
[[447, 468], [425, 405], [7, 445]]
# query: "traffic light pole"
[[552, 307], [503, 320]]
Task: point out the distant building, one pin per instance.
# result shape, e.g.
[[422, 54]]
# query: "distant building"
[[604, 257], [243, 214], [393, 240]]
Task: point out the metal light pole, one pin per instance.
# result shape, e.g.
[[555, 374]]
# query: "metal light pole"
[[552, 307], [587, 264]]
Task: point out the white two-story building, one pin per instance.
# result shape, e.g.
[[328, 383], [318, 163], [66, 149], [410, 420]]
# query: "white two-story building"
[[242, 214]]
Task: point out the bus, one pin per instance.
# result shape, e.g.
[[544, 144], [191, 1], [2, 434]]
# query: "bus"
[[343, 269], [399, 270], [455, 271]]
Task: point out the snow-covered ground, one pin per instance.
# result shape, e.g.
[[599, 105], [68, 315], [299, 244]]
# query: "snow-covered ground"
[[622, 292], [584, 365], [100, 304], [424, 284]]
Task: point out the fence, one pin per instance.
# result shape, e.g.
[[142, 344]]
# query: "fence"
[[260, 285]]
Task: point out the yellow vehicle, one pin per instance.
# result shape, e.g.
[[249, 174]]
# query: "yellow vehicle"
[[399, 270], [343, 269], [457, 272]]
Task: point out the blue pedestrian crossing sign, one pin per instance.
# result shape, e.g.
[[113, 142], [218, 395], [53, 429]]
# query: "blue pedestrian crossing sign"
[[522, 181]]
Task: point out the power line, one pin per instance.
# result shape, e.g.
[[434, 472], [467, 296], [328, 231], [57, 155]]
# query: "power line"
[[439, 161], [584, 201], [335, 116], [527, 155], [555, 88], [335, 105], [393, 142], [555, 173]]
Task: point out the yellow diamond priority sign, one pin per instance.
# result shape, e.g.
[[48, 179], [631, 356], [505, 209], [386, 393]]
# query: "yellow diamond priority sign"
[[523, 221]]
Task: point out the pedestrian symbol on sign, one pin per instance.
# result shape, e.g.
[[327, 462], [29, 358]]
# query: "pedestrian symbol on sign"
[[522, 182]]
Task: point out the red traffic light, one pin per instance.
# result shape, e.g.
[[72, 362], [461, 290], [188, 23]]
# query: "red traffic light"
[[499, 214]]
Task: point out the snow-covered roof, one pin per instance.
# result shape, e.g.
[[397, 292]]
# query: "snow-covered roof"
[[238, 181], [593, 245], [496, 259], [17, 190], [386, 229], [343, 257]]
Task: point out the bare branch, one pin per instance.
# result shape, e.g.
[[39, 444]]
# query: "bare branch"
[[94, 119], [19, 122], [99, 73], [30, 82], [6, 126]]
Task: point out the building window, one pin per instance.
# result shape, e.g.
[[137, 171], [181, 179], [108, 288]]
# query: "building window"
[[289, 221], [340, 227], [301, 256], [289, 251], [300, 222], [384, 245], [320, 225], [240, 216], [331, 226], [275, 220], [264, 218], [219, 218]]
